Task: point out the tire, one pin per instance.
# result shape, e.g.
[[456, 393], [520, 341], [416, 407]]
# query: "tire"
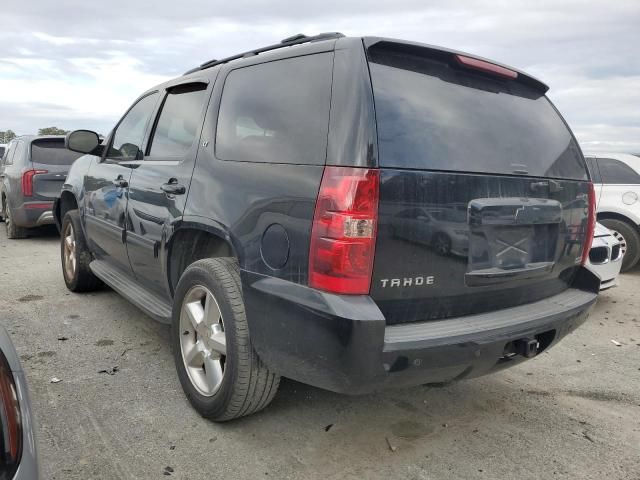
[[75, 256], [629, 239], [219, 386], [442, 244], [13, 231]]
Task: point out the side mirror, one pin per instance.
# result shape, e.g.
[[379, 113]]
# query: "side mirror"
[[82, 141]]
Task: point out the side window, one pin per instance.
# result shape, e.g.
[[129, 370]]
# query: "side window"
[[276, 112], [127, 140], [8, 156], [593, 169], [18, 154], [180, 121], [617, 172]]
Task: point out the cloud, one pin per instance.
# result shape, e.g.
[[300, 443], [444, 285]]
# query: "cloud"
[[75, 66]]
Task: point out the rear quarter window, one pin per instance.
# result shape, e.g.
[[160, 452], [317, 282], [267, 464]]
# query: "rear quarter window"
[[276, 112], [433, 115], [52, 152], [615, 172]]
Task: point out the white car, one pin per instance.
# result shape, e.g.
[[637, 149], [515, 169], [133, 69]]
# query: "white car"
[[605, 257], [616, 177]]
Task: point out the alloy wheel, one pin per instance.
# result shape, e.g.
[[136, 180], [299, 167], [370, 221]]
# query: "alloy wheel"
[[7, 218], [202, 341], [69, 252]]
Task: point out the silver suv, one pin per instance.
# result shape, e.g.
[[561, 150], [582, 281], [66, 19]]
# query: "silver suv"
[[32, 172]]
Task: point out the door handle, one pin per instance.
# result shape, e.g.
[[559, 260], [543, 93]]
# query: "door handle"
[[120, 182], [173, 188]]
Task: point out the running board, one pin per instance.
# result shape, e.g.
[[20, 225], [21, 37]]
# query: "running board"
[[150, 303]]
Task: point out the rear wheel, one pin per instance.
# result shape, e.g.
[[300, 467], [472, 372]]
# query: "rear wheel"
[[629, 239], [13, 231], [221, 374], [75, 256]]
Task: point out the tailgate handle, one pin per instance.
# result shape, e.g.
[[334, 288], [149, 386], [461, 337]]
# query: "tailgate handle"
[[514, 211]]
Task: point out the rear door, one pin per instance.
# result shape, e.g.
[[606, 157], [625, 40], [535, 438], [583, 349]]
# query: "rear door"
[[5, 166], [620, 186], [159, 182], [595, 177], [107, 185], [49, 157], [15, 164], [483, 197]]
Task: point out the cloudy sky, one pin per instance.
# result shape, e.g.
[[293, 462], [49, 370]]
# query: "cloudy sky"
[[72, 65]]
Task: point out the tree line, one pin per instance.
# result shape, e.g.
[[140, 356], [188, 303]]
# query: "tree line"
[[7, 135]]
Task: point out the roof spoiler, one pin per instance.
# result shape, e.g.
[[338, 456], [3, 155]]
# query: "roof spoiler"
[[461, 59]]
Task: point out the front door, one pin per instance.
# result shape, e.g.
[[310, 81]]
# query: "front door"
[[107, 185], [160, 182]]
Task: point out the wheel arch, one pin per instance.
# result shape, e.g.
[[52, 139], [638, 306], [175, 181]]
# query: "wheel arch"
[[67, 201], [192, 242], [618, 216]]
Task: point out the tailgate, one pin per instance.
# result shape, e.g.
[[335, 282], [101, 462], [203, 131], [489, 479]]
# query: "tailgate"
[[483, 191], [48, 185], [52, 160], [455, 244]]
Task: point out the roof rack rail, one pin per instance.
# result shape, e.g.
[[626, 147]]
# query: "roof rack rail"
[[286, 42]]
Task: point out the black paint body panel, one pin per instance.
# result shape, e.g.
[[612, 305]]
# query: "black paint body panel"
[[264, 213], [420, 211]]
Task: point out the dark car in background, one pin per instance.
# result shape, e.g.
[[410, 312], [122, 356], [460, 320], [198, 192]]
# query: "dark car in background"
[[32, 172], [352, 213], [18, 459]]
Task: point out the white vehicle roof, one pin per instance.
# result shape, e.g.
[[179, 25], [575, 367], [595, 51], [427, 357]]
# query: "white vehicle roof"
[[632, 160]]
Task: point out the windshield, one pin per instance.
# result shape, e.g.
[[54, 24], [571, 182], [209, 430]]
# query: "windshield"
[[431, 115], [52, 152]]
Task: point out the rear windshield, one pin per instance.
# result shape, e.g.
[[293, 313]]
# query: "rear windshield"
[[1, 152], [432, 115], [52, 152]]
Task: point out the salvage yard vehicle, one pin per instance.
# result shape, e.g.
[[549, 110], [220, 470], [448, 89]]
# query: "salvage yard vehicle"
[[18, 457], [31, 175], [605, 257], [616, 177], [261, 204]]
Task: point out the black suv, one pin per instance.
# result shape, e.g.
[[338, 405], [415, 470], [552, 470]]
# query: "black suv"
[[352, 213]]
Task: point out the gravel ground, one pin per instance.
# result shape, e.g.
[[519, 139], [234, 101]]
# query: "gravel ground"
[[573, 412]]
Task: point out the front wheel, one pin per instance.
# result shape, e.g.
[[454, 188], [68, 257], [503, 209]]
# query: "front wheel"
[[220, 372], [442, 244], [629, 239]]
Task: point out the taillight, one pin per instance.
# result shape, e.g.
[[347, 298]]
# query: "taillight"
[[591, 224], [343, 235], [27, 181], [10, 419], [486, 66]]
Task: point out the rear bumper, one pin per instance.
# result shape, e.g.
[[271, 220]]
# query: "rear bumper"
[[33, 214], [342, 343]]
